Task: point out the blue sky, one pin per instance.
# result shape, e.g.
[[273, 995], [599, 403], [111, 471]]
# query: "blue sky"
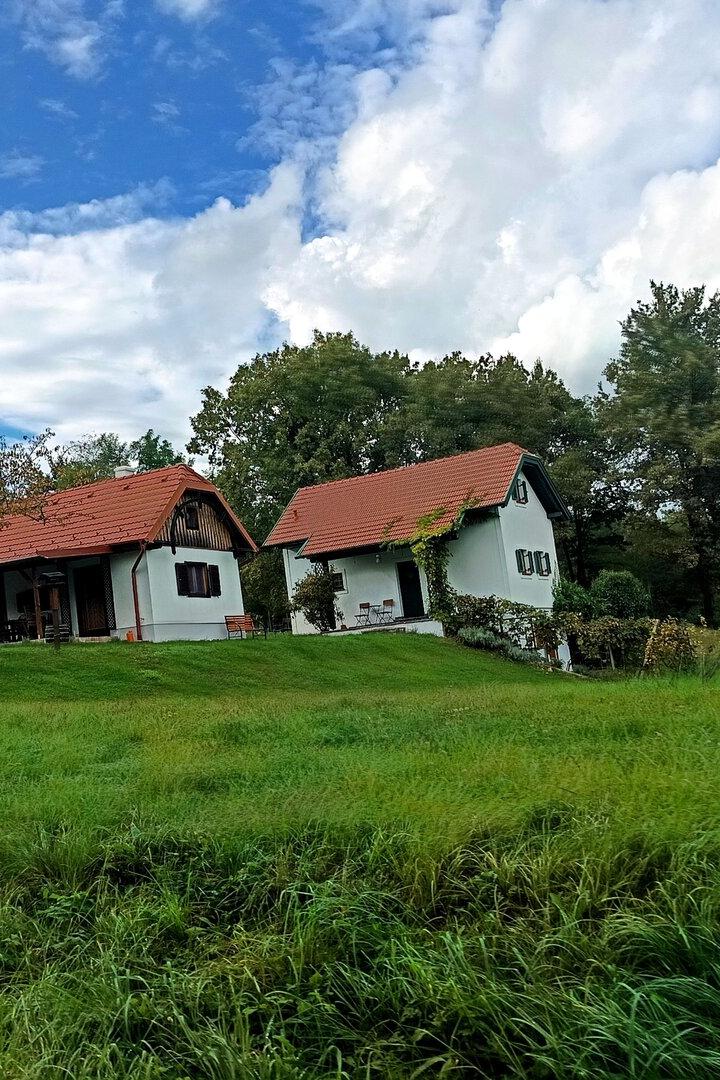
[[184, 183], [165, 98]]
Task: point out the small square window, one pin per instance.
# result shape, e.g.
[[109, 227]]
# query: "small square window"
[[192, 520], [520, 493]]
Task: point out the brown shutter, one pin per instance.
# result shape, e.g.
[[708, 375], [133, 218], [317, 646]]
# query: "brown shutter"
[[181, 575], [214, 579]]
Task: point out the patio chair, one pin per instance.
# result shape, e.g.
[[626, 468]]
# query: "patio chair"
[[386, 613], [363, 616]]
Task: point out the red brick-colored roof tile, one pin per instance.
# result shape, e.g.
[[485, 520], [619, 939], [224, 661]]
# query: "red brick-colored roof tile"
[[98, 517], [365, 511]]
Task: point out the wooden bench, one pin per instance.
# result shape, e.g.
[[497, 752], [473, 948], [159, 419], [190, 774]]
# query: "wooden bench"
[[243, 625]]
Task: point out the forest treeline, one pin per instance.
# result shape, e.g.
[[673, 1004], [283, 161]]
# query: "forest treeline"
[[638, 462]]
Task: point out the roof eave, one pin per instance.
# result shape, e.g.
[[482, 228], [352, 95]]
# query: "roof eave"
[[547, 493]]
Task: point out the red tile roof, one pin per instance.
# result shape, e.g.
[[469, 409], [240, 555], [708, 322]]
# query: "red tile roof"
[[95, 518], [366, 511]]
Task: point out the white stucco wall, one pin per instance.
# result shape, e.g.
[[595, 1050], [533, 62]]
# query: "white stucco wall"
[[528, 526], [367, 580], [196, 618], [477, 564], [120, 567]]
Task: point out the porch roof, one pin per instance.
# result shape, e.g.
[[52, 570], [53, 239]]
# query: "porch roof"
[[100, 517], [368, 511]]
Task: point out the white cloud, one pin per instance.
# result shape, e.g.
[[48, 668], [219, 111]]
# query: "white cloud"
[[189, 9], [14, 165], [59, 109], [120, 327], [512, 156], [66, 34], [512, 182]]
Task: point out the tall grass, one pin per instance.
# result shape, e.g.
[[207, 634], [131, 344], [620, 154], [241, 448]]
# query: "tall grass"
[[411, 861]]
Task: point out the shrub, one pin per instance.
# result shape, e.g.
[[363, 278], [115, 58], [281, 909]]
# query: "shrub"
[[569, 597], [706, 645], [669, 646], [476, 611], [480, 638], [314, 597], [620, 594]]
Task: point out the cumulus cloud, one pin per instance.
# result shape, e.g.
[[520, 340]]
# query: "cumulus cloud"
[[513, 156], [66, 34], [120, 327], [509, 179]]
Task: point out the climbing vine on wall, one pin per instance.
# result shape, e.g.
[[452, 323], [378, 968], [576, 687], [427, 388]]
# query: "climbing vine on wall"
[[428, 544]]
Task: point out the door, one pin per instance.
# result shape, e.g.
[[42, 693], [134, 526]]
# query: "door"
[[90, 601], [410, 590]]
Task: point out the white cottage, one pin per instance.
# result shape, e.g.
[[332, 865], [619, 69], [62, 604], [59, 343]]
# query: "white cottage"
[[504, 545], [152, 556]]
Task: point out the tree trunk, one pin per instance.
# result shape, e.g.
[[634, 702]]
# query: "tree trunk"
[[705, 583], [581, 573]]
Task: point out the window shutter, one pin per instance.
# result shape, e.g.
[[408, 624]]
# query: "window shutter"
[[214, 579], [181, 575], [548, 567], [539, 562], [520, 556]]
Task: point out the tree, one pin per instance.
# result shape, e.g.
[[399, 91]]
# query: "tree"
[[298, 416], [620, 594], [86, 460], [95, 457], [25, 480], [314, 597], [264, 588], [152, 451], [664, 417]]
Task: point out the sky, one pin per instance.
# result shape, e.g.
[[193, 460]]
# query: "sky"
[[185, 183]]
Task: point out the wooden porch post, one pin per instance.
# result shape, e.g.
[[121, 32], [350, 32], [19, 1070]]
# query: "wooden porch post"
[[38, 609]]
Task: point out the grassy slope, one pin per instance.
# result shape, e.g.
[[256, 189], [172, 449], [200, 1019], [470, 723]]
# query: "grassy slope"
[[260, 735], [353, 857]]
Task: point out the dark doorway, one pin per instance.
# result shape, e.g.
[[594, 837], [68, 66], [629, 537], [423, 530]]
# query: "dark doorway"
[[90, 601], [410, 591]]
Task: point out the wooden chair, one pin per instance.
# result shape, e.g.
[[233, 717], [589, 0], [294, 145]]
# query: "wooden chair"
[[363, 616], [386, 614], [243, 625]]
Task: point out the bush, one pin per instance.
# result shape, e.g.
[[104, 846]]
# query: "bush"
[[569, 597], [479, 638], [669, 647], [476, 611], [620, 594], [314, 597]]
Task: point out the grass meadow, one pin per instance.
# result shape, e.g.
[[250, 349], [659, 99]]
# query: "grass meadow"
[[379, 856]]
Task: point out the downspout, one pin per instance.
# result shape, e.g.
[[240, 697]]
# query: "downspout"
[[136, 599]]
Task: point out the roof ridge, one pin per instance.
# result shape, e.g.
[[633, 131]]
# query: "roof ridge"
[[124, 479], [404, 468]]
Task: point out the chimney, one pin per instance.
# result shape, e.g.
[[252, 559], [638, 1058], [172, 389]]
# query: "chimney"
[[123, 471]]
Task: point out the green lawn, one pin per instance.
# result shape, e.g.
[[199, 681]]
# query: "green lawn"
[[354, 857]]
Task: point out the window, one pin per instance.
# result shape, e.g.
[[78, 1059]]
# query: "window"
[[524, 561], [197, 579], [338, 580], [542, 563], [191, 517], [520, 492]]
